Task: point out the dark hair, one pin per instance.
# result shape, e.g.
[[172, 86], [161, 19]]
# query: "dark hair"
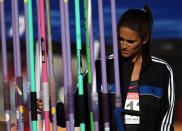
[[141, 21]]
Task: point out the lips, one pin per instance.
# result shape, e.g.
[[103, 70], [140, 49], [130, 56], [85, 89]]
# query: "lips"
[[124, 51]]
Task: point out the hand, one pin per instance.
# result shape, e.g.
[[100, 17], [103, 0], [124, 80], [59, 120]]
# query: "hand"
[[39, 106]]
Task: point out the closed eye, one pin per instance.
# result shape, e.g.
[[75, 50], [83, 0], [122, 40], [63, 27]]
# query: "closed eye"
[[121, 39], [131, 41]]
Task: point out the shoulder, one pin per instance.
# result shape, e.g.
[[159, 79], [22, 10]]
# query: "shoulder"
[[109, 60], [109, 63], [110, 57], [161, 65], [159, 61]]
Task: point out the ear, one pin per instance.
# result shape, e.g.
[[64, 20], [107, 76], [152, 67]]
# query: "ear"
[[146, 40]]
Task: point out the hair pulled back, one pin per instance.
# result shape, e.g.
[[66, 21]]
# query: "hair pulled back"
[[140, 21]]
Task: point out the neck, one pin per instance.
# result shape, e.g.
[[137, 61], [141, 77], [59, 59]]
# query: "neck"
[[137, 59]]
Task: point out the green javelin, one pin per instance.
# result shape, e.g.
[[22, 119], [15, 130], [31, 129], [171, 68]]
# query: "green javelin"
[[88, 57], [79, 47], [32, 70]]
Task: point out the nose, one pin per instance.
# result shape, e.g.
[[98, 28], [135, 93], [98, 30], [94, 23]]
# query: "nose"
[[124, 44]]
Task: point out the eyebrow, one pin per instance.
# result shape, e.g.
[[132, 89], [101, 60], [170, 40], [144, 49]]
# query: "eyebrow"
[[129, 41]]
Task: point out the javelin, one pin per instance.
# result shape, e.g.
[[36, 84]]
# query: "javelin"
[[19, 81], [118, 99], [94, 93], [69, 69], [115, 50], [80, 76], [88, 63], [14, 54], [32, 70], [6, 89], [63, 42], [105, 97], [38, 67], [51, 68], [45, 87], [28, 62]]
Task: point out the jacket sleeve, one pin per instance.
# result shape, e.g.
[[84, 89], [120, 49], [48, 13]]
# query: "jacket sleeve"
[[168, 100]]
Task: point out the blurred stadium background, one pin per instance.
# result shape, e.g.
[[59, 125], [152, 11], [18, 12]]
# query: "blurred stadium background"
[[166, 43]]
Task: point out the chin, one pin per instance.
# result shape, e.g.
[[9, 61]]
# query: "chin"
[[125, 55]]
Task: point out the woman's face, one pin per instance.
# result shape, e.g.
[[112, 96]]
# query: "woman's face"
[[130, 43]]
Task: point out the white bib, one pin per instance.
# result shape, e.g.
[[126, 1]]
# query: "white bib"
[[132, 103]]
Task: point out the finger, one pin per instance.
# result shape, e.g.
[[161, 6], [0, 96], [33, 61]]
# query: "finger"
[[39, 111], [40, 104], [41, 107], [39, 100]]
